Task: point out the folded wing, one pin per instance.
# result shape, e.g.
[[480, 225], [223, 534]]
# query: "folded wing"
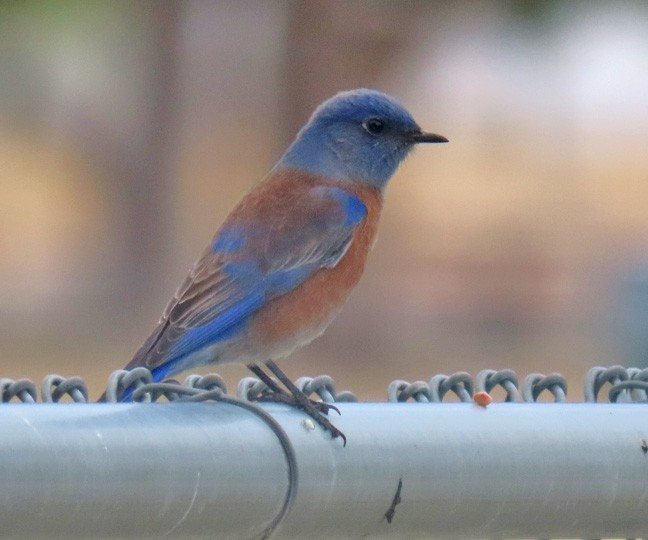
[[255, 257]]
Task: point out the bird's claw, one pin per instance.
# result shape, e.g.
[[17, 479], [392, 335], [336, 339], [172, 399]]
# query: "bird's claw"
[[317, 410], [335, 433], [324, 407], [288, 399]]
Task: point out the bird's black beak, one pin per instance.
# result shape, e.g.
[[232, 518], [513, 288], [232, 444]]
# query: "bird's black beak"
[[423, 137]]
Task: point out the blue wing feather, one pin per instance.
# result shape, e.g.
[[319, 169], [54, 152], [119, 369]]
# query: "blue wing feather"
[[219, 328]]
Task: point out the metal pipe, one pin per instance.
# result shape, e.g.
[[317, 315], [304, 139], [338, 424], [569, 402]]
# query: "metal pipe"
[[409, 470], [142, 470]]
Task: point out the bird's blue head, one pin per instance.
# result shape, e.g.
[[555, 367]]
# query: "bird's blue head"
[[358, 136]]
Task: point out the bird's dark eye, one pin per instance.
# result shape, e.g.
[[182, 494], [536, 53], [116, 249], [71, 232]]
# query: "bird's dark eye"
[[375, 126]]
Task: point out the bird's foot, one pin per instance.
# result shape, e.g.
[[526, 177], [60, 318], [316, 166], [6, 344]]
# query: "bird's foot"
[[284, 397], [324, 422], [317, 410]]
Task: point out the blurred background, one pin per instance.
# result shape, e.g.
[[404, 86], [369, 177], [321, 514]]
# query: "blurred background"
[[128, 130]]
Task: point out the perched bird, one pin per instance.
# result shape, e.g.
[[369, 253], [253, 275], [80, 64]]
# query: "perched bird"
[[285, 260]]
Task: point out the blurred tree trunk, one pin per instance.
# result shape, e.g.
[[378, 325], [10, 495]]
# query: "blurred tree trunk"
[[148, 207], [138, 158], [353, 43]]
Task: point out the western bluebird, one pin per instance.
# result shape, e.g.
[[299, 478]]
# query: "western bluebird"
[[285, 260]]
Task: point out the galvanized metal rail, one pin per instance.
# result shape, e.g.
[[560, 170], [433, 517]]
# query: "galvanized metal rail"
[[232, 469]]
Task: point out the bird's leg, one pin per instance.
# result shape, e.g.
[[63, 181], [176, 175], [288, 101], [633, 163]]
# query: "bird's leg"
[[279, 394], [296, 394], [266, 379], [314, 409], [275, 393]]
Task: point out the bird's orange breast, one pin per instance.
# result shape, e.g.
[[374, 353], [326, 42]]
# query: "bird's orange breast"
[[300, 315]]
